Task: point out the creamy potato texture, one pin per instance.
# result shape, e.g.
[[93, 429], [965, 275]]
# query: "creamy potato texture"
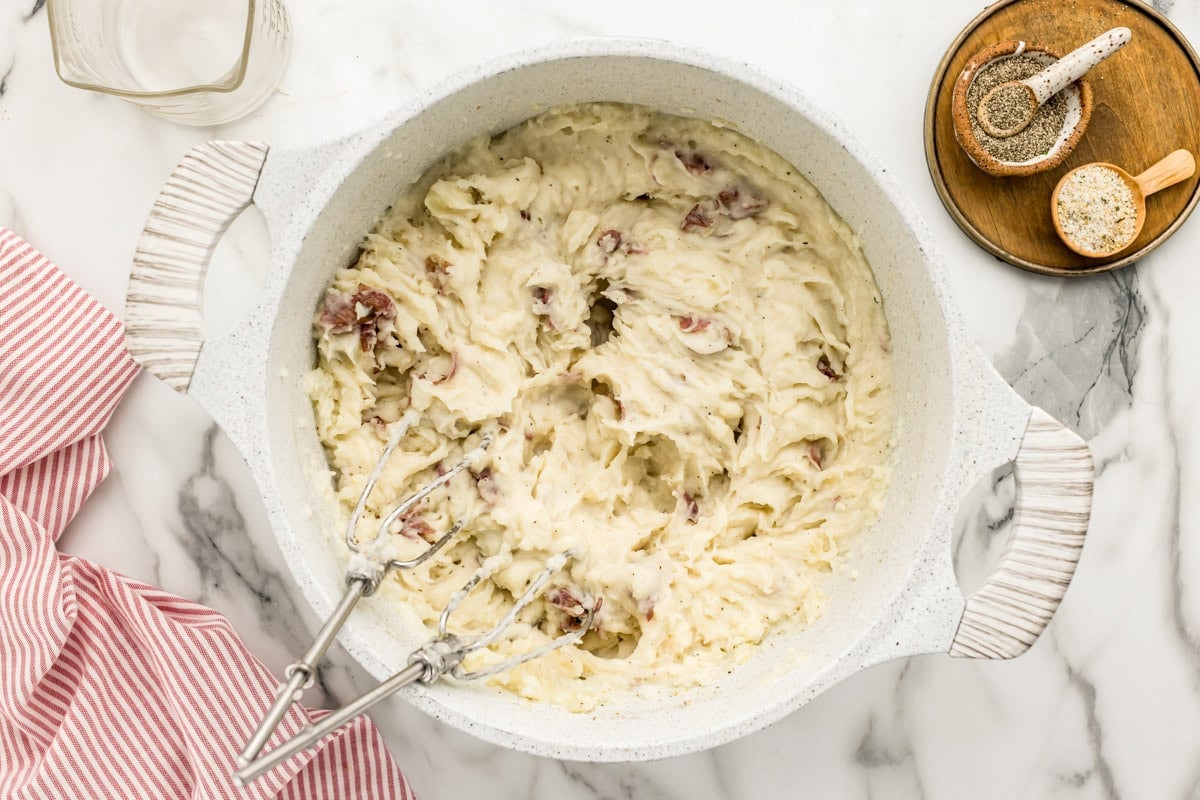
[[683, 356]]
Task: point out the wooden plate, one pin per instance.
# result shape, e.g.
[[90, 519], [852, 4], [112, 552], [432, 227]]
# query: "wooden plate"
[[1147, 100]]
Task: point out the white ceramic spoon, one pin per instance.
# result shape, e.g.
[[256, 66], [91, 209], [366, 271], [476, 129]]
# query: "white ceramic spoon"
[[1007, 109]]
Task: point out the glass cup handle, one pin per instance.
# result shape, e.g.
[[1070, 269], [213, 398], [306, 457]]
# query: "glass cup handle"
[[209, 188]]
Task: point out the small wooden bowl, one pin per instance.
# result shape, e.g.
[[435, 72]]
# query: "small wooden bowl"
[[1079, 112], [1147, 102]]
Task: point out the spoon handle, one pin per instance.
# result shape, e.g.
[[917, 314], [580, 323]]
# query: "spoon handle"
[[1075, 64], [1176, 167]]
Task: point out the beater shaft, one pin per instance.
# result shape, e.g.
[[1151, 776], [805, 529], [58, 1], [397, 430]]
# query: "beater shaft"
[[314, 733], [300, 674]]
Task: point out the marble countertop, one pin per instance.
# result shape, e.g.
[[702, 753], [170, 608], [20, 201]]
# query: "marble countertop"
[[1105, 705]]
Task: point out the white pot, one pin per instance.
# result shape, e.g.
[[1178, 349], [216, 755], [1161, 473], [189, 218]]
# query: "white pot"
[[956, 418]]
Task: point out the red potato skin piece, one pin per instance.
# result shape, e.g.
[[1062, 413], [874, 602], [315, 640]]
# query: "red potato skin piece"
[[413, 527], [338, 314], [739, 205], [421, 528], [485, 484], [562, 599], [544, 295], [574, 609], [368, 335], [450, 373], [694, 163], [438, 270], [693, 324], [693, 508], [380, 304], [609, 241], [730, 202], [826, 369], [695, 219]]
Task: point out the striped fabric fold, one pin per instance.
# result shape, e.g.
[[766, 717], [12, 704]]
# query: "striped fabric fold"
[[110, 688]]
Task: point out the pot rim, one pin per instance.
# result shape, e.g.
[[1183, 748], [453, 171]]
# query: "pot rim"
[[966, 364]]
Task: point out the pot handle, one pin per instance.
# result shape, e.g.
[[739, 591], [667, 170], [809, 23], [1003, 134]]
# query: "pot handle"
[[1054, 476], [208, 189]]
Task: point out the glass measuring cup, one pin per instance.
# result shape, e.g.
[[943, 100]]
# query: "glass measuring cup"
[[197, 62]]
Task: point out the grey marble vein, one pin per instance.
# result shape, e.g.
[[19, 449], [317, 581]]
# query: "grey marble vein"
[[639, 782], [38, 5], [982, 527], [1189, 637], [721, 786], [1076, 350], [1101, 770], [1186, 633], [886, 752], [229, 564], [127, 530], [4, 78], [575, 774]]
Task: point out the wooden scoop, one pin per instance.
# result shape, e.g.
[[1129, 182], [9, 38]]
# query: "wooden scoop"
[[1176, 167], [1007, 109]]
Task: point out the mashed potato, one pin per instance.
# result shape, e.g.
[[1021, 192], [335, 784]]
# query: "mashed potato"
[[682, 354]]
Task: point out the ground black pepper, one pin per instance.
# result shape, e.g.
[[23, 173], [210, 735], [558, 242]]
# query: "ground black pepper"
[[1043, 131], [1008, 106]]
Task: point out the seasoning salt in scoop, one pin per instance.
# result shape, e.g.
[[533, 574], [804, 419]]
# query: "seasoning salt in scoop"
[[1007, 109], [1099, 209]]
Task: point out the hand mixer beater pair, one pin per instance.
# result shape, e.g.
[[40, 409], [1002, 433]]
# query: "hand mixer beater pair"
[[442, 655]]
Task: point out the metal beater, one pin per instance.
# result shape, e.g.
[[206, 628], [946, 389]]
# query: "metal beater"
[[441, 655]]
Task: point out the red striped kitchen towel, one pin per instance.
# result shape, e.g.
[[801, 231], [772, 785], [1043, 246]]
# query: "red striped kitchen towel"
[[110, 688]]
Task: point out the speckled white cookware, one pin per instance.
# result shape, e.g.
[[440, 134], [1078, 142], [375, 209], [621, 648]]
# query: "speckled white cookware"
[[956, 419]]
